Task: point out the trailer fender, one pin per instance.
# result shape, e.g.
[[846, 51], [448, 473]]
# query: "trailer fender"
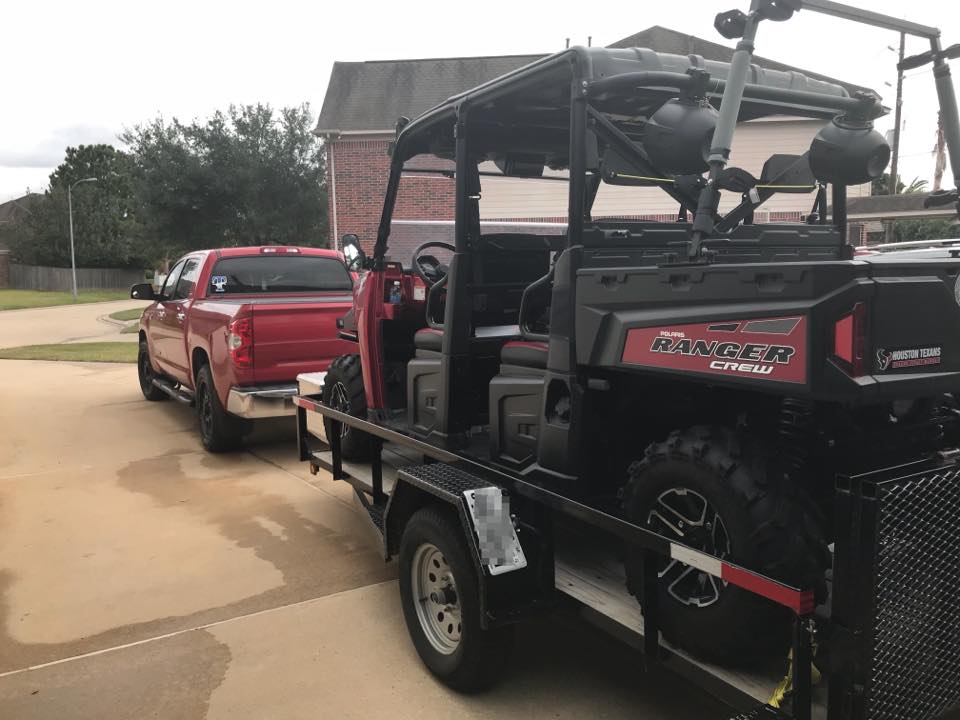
[[488, 525]]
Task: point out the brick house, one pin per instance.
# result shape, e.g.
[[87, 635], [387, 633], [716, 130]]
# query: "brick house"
[[365, 99]]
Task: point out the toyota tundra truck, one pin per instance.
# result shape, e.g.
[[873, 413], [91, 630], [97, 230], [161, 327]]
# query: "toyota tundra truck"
[[229, 331]]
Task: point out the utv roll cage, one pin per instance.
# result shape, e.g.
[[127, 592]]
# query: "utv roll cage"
[[571, 103]]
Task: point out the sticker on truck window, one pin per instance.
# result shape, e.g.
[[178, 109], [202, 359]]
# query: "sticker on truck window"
[[219, 283]]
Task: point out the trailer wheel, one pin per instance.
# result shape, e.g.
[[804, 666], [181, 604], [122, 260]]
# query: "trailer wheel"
[[146, 375], [343, 391], [440, 597], [219, 430], [709, 488]]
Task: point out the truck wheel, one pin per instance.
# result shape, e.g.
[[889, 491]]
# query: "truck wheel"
[[219, 430], [440, 597], [343, 391], [709, 489], [145, 372]]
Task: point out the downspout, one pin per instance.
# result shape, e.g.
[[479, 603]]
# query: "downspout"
[[331, 139]]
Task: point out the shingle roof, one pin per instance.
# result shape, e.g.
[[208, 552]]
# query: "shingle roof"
[[12, 209], [371, 96], [880, 206]]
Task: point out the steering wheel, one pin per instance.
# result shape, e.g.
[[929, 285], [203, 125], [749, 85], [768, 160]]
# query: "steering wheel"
[[427, 267]]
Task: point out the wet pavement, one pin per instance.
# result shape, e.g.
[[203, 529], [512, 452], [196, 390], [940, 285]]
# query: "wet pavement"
[[142, 577]]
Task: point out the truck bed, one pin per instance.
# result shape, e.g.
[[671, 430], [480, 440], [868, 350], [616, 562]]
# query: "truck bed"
[[595, 578]]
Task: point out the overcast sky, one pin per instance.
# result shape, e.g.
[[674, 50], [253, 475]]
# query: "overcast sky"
[[81, 72]]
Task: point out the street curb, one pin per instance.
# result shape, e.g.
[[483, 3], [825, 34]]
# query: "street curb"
[[66, 305]]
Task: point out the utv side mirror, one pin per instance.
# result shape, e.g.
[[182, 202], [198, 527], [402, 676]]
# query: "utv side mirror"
[[350, 246], [143, 291]]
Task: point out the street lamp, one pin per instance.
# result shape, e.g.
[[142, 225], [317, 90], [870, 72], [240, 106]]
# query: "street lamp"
[[73, 258]]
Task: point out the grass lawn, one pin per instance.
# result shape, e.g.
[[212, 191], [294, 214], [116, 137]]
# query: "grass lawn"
[[125, 315], [19, 299], [130, 329], [117, 352]]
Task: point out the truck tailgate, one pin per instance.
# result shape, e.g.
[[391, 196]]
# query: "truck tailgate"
[[295, 335]]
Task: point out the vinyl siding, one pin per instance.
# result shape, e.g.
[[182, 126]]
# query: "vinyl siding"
[[753, 144]]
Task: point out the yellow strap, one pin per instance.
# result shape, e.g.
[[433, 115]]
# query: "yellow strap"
[[785, 686], [643, 177]]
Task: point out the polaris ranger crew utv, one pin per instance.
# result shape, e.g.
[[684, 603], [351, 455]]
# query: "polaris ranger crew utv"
[[765, 423]]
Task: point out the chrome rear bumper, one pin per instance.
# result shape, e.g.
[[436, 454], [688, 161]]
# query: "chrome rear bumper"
[[262, 401]]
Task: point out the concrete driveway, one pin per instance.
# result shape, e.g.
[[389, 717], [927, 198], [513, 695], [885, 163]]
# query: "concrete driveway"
[[85, 322], [142, 577]]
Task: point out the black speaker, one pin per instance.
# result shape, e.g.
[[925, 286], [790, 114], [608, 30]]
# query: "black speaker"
[[677, 137], [848, 152]]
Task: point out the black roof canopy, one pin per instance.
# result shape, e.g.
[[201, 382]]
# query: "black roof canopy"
[[531, 102], [370, 96]]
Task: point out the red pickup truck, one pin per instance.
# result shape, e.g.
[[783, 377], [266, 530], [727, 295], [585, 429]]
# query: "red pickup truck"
[[231, 329]]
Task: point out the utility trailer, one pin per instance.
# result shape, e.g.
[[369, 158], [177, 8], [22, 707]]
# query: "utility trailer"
[[891, 660], [760, 425], [587, 574]]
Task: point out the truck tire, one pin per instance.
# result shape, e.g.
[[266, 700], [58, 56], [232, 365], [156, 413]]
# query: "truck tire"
[[343, 390], [219, 430], [708, 487], [146, 374], [440, 597]]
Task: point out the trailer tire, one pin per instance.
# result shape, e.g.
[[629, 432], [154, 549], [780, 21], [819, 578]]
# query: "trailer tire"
[[219, 430], [769, 524], [465, 656], [343, 390], [146, 374]]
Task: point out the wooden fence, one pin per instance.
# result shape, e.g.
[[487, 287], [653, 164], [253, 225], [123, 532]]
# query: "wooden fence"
[[36, 277]]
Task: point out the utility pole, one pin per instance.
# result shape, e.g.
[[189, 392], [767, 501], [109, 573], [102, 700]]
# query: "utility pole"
[[73, 257], [895, 160]]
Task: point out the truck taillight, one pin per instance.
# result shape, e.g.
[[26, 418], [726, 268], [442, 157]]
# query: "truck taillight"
[[850, 340], [240, 342]]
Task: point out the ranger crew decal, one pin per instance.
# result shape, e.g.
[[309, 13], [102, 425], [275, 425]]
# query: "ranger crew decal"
[[763, 349]]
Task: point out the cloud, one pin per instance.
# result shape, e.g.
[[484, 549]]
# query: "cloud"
[[49, 151]]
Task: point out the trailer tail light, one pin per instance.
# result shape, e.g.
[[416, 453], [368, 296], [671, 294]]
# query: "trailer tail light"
[[850, 340], [240, 341]]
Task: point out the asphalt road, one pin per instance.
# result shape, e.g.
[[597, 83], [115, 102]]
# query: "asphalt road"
[[64, 323], [142, 577]]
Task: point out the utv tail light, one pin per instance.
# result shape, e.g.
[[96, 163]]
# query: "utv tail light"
[[850, 340], [240, 342]]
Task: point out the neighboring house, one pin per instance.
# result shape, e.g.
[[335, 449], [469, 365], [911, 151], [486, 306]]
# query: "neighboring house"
[[867, 215], [365, 99], [11, 213]]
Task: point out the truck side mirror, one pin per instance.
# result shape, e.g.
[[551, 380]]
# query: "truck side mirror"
[[350, 246], [143, 291]]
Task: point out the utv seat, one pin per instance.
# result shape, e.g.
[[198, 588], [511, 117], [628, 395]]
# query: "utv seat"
[[486, 339], [525, 353], [428, 339]]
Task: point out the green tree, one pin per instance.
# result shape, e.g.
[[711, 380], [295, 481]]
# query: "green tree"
[[880, 186], [106, 231], [906, 230], [249, 176]]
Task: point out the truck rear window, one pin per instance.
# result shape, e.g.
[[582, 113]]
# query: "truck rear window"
[[278, 274]]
